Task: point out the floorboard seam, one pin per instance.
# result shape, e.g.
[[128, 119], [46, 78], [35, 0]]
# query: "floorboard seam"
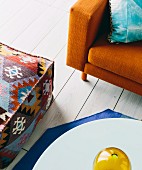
[[47, 33], [118, 99], [64, 85], [56, 56], [12, 16], [26, 28], [25, 149], [86, 99]]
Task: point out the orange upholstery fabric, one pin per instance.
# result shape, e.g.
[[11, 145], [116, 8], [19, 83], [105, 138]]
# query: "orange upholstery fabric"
[[85, 20], [113, 78], [119, 64], [121, 59]]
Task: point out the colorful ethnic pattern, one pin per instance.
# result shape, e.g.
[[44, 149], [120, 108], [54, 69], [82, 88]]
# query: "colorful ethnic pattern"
[[26, 84]]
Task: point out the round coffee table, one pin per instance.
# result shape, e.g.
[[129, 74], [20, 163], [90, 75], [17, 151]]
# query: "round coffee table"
[[76, 149]]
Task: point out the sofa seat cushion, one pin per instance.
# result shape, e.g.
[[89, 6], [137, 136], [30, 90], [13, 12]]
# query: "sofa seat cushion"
[[122, 59]]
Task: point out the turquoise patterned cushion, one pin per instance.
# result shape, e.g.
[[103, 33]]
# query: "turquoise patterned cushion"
[[126, 18]]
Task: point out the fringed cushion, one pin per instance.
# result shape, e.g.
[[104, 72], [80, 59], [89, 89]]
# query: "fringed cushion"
[[126, 20]]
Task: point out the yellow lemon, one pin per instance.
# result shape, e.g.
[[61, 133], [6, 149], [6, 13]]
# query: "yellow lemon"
[[111, 159]]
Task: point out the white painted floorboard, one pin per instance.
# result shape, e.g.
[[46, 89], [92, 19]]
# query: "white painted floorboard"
[[11, 10], [12, 29], [103, 96], [64, 4], [62, 74], [38, 31], [53, 42], [130, 104], [46, 2], [40, 27]]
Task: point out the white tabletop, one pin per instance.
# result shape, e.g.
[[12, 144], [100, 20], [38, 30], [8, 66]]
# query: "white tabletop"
[[76, 149]]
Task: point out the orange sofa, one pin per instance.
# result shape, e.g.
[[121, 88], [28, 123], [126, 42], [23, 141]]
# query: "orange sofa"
[[90, 52]]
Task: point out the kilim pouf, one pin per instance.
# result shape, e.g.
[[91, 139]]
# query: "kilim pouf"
[[26, 84]]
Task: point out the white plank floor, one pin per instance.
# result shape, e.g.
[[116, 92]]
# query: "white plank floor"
[[40, 27]]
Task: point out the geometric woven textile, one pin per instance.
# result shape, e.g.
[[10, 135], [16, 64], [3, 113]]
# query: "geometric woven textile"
[[26, 84]]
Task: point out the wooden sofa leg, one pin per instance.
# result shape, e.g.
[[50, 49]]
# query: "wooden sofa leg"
[[84, 76]]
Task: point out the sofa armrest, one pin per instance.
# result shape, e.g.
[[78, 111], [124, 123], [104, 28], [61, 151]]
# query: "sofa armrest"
[[84, 23]]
